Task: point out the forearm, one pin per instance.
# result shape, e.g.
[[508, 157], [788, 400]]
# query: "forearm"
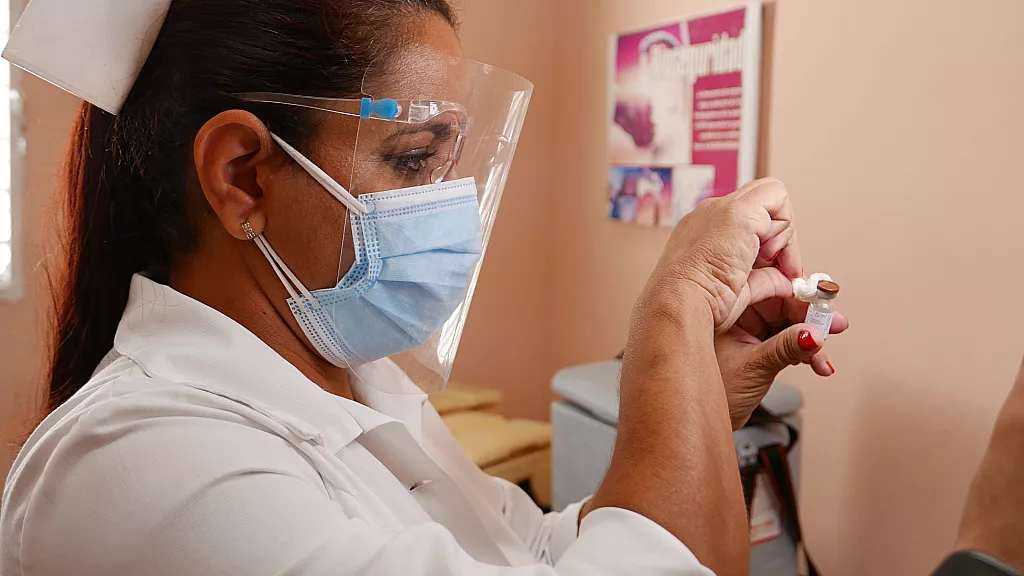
[[674, 460], [994, 515]]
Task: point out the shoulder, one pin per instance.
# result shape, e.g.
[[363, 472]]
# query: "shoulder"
[[149, 426], [127, 455]]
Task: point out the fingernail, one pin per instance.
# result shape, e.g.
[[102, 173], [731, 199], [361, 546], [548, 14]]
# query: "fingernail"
[[806, 341], [831, 367]]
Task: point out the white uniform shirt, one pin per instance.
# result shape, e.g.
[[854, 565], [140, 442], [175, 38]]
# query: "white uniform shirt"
[[196, 449]]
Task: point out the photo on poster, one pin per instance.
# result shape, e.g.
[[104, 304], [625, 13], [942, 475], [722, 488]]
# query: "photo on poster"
[[657, 196], [686, 93], [690, 185], [640, 195]]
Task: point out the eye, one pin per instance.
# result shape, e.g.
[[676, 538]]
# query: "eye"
[[411, 162]]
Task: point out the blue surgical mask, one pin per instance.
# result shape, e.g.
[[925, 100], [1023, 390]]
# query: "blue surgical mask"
[[416, 252]]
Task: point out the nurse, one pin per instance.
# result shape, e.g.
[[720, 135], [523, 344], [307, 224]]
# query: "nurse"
[[276, 212]]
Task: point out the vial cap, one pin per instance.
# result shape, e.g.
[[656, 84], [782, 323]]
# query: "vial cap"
[[828, 288]]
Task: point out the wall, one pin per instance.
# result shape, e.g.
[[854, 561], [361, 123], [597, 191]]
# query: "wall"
[[507, 342], [48, 114], [896, 126]]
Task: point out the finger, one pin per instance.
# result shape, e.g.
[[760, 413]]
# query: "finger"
[[789, 259], [794, 345], [772, 249], [796, 311], [773, 198], [772, 313], [768, 283], [755, 210], [839, 324], [777, 233], [762, 284], [821, 365], [752, 322], [770, 195], [773, 187]]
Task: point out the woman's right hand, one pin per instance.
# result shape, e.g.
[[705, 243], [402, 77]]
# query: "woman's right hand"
[[674, 460], [713, 252]]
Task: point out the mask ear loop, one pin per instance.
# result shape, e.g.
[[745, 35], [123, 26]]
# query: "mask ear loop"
[[341, 257], [330, 184], [284, 274]]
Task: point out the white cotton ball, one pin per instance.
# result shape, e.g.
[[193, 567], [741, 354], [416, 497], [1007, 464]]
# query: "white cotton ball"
[[805, 289]]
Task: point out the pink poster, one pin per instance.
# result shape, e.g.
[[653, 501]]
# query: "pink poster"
[[684, 114]]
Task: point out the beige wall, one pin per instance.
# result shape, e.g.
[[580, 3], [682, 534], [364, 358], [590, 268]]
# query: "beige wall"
[[507, 342], [895, 125], [48, 115]]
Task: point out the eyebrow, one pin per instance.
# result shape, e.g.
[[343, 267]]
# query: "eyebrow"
[[439, 129]]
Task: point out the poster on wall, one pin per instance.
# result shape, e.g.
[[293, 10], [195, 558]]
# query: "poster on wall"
[[683, 114]]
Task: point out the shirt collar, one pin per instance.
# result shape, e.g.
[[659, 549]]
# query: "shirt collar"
[[176, 338], [385, 387]]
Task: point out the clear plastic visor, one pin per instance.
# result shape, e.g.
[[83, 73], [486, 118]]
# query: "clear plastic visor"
[[431, 131]]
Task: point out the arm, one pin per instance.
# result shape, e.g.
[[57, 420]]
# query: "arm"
[[993, 519], [204, 491], [674, 460], [549, 535]]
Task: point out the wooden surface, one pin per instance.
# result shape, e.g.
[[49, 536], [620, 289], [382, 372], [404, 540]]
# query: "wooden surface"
[[515, 450], [489, 438], [458, 398], [535, 467]]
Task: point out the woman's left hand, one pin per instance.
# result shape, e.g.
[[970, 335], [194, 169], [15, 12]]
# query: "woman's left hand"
[[768, 337]]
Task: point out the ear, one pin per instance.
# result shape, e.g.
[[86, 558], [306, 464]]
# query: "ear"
[[230, 151]]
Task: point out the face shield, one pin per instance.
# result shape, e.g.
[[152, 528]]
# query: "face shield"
[[435, 137]]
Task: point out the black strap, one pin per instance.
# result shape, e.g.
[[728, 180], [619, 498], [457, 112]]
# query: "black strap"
[[748, 477], [775, 462], [974, 563]]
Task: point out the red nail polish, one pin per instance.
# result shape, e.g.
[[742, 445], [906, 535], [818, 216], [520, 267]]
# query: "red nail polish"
[[806, 341], [830, 367]]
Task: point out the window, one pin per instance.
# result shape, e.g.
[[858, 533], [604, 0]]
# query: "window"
[[10, 145]]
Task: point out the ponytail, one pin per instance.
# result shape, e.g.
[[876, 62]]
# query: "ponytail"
[[104, 245]]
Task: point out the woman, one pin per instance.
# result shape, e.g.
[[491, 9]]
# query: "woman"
[[210, 414]]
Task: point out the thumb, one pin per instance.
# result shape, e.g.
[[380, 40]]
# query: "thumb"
[[794, 345]]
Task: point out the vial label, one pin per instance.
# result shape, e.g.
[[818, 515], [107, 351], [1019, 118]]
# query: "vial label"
[[822, 321]]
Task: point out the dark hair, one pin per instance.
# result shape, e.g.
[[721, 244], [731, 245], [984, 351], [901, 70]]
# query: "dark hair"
[[128, 176]]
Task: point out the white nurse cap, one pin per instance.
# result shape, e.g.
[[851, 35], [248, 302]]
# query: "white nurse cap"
[[94, 49]]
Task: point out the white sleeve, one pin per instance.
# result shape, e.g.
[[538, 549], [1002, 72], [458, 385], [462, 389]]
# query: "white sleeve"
[[608, 541], [546, 535], [177, 494]]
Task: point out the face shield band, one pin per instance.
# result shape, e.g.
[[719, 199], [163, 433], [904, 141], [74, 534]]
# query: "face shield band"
[[434, 137]]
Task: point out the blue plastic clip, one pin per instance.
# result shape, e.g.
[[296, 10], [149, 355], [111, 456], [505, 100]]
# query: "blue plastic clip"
[[386, 109]]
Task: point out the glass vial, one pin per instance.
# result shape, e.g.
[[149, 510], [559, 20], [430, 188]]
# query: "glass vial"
[[820, 313]]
